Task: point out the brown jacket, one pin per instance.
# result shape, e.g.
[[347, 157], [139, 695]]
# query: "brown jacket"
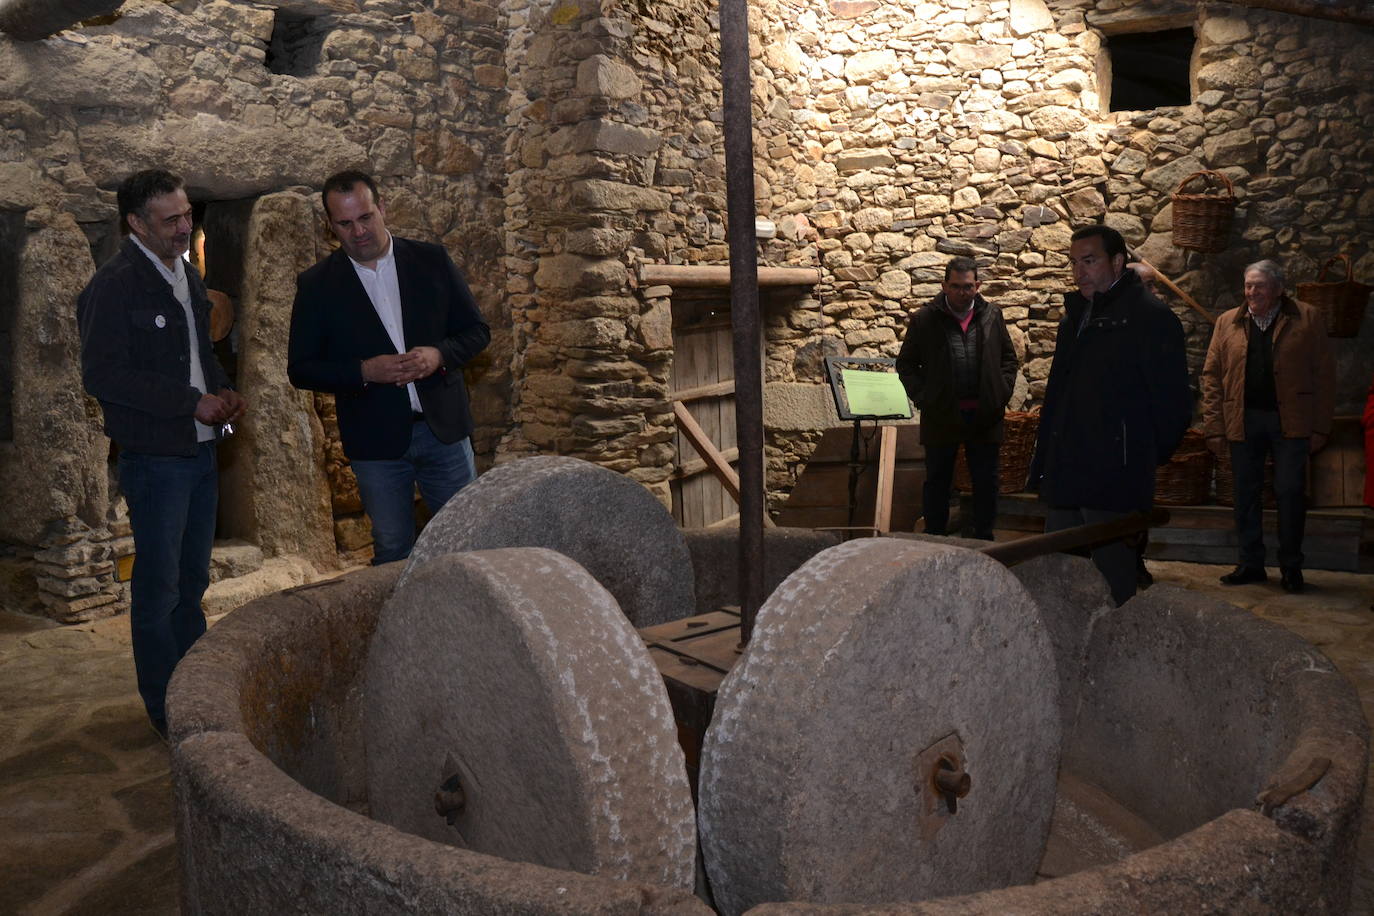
[[1304, 373]]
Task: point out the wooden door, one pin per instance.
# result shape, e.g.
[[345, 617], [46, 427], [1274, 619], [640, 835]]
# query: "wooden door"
[[703, 380]]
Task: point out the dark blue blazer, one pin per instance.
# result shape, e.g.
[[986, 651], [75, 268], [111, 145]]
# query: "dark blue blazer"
[[334, 328]]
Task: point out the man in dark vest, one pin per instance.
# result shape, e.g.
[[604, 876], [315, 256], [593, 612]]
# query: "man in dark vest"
[[958, 366]]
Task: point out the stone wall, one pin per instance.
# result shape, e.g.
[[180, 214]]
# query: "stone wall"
[[558, 146], [245, 100], [896, 135]]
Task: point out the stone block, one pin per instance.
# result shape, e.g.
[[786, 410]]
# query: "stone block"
[[870, 66], [1029, 16], [230, 559], [583, 511], [977, 57], [599, 194], [857, 160], [513, 673], [600, 75]]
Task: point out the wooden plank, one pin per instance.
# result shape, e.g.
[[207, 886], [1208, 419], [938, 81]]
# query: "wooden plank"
[[705, 391], [697, 275], [887, 462], [696, 466], [708, 452]]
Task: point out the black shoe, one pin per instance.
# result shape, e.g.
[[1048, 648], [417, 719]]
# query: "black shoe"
[[1143, 578], [1244, 575], [1291, 580], [159, 726]]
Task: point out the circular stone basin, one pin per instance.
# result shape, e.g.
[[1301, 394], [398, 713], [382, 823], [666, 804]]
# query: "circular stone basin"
[[1180, 714]]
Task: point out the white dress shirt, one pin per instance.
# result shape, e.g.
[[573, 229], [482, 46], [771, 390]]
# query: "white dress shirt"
[[384, 291], [181, 289]]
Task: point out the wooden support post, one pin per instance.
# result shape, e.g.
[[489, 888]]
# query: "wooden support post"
[[887, 467]]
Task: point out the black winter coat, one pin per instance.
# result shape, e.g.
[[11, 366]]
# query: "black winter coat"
[[1117, 403], [926, 368]]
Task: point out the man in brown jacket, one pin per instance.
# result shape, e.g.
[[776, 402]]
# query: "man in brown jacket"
[[1268, 386]]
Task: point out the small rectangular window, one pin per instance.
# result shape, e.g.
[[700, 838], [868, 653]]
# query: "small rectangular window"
[[1150, 69]]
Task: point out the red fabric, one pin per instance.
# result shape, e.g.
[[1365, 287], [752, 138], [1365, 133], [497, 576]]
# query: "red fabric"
[[1369, 448]]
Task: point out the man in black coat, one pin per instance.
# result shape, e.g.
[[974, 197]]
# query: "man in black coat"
[[386, 325], [958, 366], [1117, 403], [146, 356]]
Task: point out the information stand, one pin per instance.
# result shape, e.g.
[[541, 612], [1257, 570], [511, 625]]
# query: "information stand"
[[867, 388]]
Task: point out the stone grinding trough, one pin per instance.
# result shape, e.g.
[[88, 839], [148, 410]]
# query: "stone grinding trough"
[[913, 728]]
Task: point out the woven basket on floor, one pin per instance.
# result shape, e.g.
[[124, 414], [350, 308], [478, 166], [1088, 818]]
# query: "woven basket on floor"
[[1186, 480], [1018, 445], [1202, 222], [1342, 302], [1226, 481]]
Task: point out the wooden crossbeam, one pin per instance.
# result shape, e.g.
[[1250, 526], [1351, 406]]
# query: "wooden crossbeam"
[[713, 457], [701, 392]]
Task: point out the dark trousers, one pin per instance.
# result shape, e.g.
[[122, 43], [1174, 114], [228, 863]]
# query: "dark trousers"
[[982, 466], [172, 502], [1263, 437], [1116, 561]]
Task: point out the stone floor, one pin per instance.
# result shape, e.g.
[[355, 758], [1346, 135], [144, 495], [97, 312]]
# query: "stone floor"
[[85, 798]]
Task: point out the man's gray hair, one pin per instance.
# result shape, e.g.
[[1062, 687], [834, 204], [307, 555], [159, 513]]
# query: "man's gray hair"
[[1272, 269]]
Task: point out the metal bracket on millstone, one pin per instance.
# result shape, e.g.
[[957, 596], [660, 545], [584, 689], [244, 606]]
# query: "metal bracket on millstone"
[[605, 521], [510, 708], [867, 656]]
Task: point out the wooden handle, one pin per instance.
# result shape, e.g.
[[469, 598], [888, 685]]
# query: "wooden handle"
[[1230, 192], [1193, 303]]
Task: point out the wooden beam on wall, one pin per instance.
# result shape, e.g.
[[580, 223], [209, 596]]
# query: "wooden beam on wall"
[[719, 275]]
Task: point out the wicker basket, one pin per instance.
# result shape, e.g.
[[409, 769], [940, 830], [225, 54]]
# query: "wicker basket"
[[1226, 481], [1202, 221], [1018, 445], [1342, 302], [1186, 480]]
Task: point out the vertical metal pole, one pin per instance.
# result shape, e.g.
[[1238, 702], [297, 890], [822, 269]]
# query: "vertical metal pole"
[[744, 302]]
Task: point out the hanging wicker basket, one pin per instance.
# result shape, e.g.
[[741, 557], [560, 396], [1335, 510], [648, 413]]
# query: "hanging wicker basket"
[[1202, 222], [1342, 302], [1186, 480]]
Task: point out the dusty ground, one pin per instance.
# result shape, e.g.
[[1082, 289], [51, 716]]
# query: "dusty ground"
[[85, 797]]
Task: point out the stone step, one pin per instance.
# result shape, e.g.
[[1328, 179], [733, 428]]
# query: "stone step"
[[230, 559], [275, 574]]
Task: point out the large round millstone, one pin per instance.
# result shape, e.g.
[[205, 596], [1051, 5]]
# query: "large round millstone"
[[512, 677], [605, 521], [1071, 594], [867, 665]]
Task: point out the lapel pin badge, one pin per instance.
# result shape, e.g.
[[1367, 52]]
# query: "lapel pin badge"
[[160, 321]]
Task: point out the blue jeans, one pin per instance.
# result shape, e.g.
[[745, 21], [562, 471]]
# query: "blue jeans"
[[172, 502], [1263, 436], [387, 488]]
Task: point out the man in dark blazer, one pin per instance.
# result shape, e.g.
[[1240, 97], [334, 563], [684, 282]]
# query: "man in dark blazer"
[[386, 325]]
